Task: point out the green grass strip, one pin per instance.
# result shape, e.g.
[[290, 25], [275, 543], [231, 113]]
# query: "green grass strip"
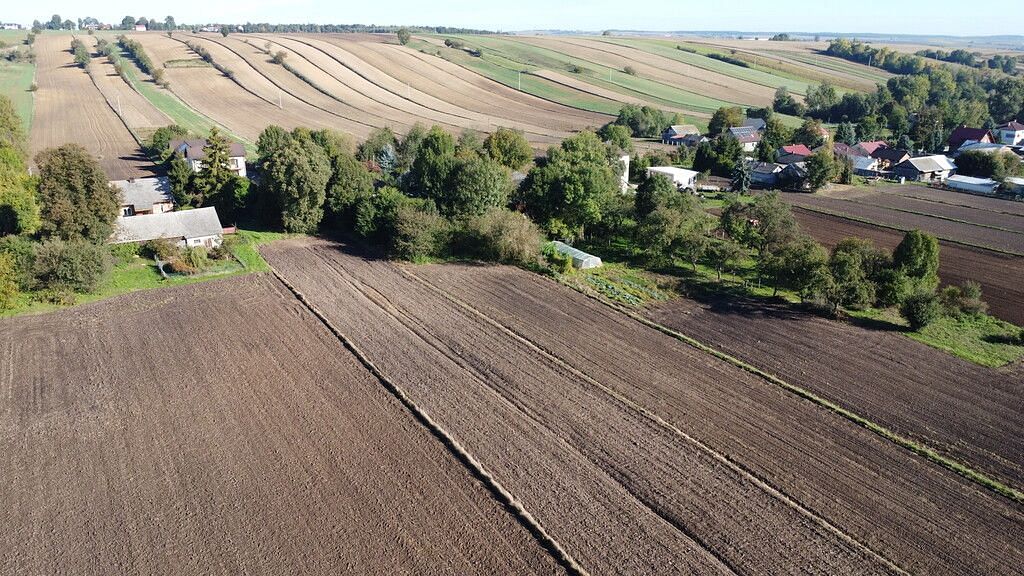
[[15, 83], [917, 448]]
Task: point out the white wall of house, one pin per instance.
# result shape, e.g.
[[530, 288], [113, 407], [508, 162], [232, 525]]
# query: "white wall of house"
[[236, 164], [201, 241], [1010, 137]]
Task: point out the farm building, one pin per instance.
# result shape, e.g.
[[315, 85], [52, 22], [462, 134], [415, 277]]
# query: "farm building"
[[194, 154], [765, 174], [964, 134], [986, 147], [681, 177], [758, 124], [865, 166], [869, 148], [11, 26], [188, 228], [925, 168], [145, 195], [1010, 134], [795, 176], [580, 259], [675, 134], [140, 27], [843, 149], [972, 185]]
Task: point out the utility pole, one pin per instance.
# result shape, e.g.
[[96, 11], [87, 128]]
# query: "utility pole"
[[119, 113], [519, 76], [280, 102]]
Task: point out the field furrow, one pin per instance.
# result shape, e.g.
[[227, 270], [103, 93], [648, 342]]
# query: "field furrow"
[[141, 117], [70, 109], [132, 450], [922, 517], [952, 198]]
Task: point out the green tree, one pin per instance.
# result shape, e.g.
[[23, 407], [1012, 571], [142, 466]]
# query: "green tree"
[[921, 308], [566, 191], [775, 135], [809, 133], [477, 185], [128, 23], [180, 175], [725, 118], [350, 181], [617, 136], [852, 288], [509, 148], [796, 266], [741, 178], [403, 36], [433, 165], [19, 211], [722, 254], [822, 168], [76, 199], [157, 146], [295, 179], [846, 133], [643, 121], [765, 225], [823, 99], [917, 256], [12, 131], [653, 192], [8, 282], [215, 175]]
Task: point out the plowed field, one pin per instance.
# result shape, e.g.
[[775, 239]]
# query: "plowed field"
[[221, 428], [637, 452]]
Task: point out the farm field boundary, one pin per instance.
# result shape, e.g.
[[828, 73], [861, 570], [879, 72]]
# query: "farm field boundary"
[[913, 446], [475, 467]]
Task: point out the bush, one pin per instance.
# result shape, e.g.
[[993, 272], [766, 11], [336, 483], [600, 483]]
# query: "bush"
[[33, 87], [124, 253], [963, 300], [160, 249], [629, 70], [23, 253], [181, 266], [558, 262], [920, 309], [196, 257], [500, 235], [74, 265], [419, 231]]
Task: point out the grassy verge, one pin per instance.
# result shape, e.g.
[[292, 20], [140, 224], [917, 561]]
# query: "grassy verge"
[[142, 274], [15, 83], [619, 283]]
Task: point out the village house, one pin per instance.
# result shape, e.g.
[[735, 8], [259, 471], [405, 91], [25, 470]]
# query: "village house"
[[866, 166], [11, 26], [693, 140], [187, 228], [794, 177], [682, 178], [145, 195], [675, 134], [925, 168], [1010, 134], [758, 124], [748, 137], [845, 150], [964, 134], [792, 153], [889, 157], [765, 174], [140, 27], [986, 147], [193, 152], [869, 148]]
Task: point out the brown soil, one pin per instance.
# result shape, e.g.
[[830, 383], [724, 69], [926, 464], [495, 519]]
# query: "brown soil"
[[946, 229], [137, 112], [958, 199], [1001, 276], [601, 419], [69, 108], [220, 427]]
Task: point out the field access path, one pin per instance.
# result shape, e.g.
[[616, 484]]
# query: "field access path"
[[221, 428], [636, 452]]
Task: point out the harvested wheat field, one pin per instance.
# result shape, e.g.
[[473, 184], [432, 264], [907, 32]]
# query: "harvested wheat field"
[[220, 427], [1001, 275], [636, 452], [70, 109], [140, 116]]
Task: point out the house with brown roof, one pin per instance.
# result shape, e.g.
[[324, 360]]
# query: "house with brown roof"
[[793, 153], [964, 134], [889, 157], [1011, 133], [934, 168], [868, 148], [193, 152]]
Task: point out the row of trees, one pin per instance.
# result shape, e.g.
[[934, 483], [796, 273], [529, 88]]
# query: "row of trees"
[[53, 226]]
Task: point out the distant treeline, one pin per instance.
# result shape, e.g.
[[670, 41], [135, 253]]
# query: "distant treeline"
[[343, 28], [1002, 62]]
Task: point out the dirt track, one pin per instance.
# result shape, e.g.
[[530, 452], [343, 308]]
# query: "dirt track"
[[1001, 276], [220, 428], [69, 108], [602, 419]]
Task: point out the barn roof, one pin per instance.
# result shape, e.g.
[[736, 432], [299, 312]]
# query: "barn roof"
[[193, 149], [143, 193], [170, 225]]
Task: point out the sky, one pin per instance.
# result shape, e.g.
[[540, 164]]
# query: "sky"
[[930, 17]]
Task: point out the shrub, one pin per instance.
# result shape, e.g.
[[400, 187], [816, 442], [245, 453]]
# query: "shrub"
[[196, 257], [8, 281], [124, 253], [920, 309], [963, 300], [419, 231], [33, 87], [160, 249], [500, 235], [279, 57], [23, 254], [181, 266], [74, 265], [629, 70], [558, 262]]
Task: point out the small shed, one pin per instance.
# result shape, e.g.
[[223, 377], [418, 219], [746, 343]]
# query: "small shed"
[[580, 259], [973, 185]]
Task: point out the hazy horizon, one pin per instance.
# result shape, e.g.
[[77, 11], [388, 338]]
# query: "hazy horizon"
[[912, 17]]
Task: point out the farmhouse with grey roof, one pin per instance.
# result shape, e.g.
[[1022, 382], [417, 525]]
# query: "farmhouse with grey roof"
[[145, 195], [193, 152], [188, 228]]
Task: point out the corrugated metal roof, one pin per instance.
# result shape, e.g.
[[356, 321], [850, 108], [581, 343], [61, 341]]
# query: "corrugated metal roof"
[[171, 225], [936, 163], [971, 180]]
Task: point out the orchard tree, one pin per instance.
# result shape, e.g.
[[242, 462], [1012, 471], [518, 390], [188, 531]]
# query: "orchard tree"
[[722, 254], [76, 198], [403, 36]]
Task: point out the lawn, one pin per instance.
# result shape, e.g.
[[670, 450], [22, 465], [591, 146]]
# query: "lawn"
[[139, 273], [15, 81]]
